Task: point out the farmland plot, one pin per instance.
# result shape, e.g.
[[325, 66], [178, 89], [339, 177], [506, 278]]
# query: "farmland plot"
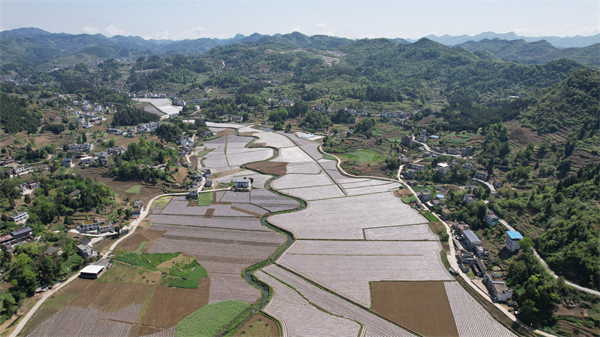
[[274, 140], [74, 321], [224, 254], [224, 125], [301, 180], [304, 168], [409, 232], [293, 155], [372, 189], [297, 140], [347, 267], [373, 325], [313, 151], [315, 192], [240, 223], [422, 307], [259, 179], [345, 218], [271, 201], [328, 164], [248, 156], [293, 312], [471, 318]]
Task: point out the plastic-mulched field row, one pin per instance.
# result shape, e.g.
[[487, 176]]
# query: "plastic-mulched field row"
[[410, 232], [76, 321], [299, 318], [374, 325], [470, 317]]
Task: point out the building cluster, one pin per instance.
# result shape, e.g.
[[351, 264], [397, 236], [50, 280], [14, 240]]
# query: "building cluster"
[[88, 113], [201, 179], [100, 157], [28, 188], [21, 235]]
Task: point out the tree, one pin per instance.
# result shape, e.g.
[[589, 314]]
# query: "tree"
[[27, 199], [288, 128]]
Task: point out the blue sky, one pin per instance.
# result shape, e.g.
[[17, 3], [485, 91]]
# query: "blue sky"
[[353, 19]]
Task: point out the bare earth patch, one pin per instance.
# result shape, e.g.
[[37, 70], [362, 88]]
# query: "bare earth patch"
[[422, 307], [276, 168]]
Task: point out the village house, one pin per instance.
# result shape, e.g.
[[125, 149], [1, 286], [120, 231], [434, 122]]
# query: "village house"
[[426, 154], [481, 175], [491, 218], [97, 225], [80, 147], [194, 189], [21, 170], [412, 183], [409, 174], [242, 183], [418, 166], [496, 183], [445, 213], [453, 151], [67, 162], [86, 160], [138, 207], [498, 289], [469, 198], [424, 195], [19, 217], [512, 241], [467, 151], [442, 169], [467, 166]]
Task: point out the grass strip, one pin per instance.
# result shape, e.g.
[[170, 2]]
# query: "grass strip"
[[210, 319]]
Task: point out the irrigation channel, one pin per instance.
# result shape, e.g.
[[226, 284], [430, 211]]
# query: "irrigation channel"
[[248, 273]]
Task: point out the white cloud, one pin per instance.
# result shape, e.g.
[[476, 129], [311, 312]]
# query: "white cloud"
[[191, 34], [89, 30], [320, 25], [199, 5], [112, 31]]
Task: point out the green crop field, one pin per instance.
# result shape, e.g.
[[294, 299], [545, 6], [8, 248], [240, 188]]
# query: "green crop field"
[[134, 189], [329, 157], [189, 276], [419, 188], [205, 199], [210, 319], [364, 155], [430, 217], [457, 141], [409, 198]]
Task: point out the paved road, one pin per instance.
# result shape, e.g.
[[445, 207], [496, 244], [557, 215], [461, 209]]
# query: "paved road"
[[490, 186]]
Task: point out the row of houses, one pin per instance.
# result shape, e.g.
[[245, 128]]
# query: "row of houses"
[[95, 226], [23, 234], [19, 170]]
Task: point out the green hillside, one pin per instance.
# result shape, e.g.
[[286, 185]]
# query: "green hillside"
[[539, 52]]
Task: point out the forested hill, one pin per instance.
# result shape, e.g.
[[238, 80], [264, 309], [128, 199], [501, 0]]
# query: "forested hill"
[[461, 74], [572, 104], [539, 52]]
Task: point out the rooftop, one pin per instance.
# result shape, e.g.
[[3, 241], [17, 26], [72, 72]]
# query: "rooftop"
[[514, 235], [471, 236], [93, 269]]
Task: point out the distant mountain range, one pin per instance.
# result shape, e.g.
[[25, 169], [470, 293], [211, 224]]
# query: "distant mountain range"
[[36, 47], [559, 42], [539, 52]]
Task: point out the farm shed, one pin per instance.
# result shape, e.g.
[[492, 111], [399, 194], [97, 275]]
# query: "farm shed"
[[91, 272], [471, 239]]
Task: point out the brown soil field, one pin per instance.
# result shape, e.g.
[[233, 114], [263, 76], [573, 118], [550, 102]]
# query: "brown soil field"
[[116, 296], [437, 227], [245, 211], [209, 213], [258, 327], [257, 144], [422, 307], [146, 193], [121, 273], [140, 330], [225, 132], [226, 173], [133, 242], [55, 303], [277, 168], [402, 193], [181, 174], [169, 305]]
